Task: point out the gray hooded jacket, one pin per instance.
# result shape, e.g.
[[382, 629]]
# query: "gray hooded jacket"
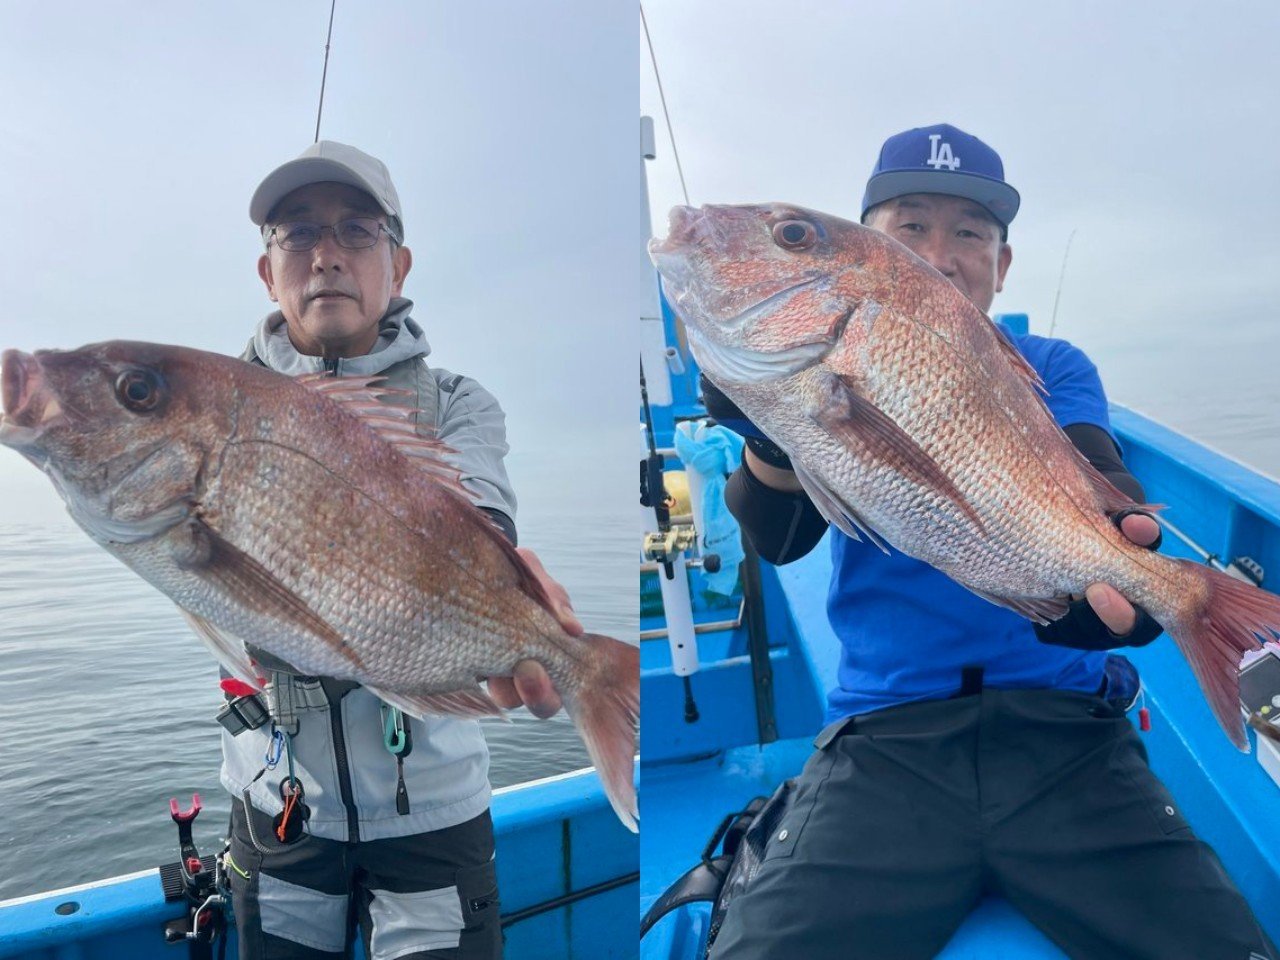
[[349, 778]]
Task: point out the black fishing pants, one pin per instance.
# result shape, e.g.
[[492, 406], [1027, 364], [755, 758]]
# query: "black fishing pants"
[[904, 818], [431, 896]]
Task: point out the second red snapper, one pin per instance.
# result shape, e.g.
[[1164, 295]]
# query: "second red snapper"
[[912, 421]]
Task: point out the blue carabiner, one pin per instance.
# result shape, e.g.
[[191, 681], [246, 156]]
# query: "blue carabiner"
[[274, 749], [393, 730]]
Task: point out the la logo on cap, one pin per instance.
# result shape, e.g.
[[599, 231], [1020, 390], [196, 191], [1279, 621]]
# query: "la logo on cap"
[[940, 154]]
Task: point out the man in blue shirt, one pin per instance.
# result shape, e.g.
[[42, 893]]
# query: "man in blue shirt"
[[970, 751]]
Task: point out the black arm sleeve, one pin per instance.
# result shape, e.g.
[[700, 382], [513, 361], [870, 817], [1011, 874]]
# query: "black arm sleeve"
[[502, 522], [1081, 628], [1100, 450], [781, 526]]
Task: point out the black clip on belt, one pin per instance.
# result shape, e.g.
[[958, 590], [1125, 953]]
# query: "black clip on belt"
[[243, 713]]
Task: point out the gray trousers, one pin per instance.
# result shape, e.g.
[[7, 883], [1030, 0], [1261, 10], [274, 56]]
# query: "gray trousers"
[[904, 818], [430, 896]]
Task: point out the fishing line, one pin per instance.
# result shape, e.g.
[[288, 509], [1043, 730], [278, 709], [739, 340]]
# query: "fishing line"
[[665, 113], [325, 73], [1061, 274]]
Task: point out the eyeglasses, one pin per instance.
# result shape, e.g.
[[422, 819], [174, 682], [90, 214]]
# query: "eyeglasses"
[[355, 233]]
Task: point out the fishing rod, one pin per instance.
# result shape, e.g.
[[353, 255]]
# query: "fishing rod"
[[1242, 568], [325, 73], [1053, 321], [653, 57]]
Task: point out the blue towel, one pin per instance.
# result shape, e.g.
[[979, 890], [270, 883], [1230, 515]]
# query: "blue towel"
[[714, 452]]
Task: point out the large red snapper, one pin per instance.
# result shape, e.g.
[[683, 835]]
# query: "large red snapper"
[[912, 421], [310, 519]]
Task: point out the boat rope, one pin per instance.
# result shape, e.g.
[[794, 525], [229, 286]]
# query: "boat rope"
[[666, 115], [325, 73]]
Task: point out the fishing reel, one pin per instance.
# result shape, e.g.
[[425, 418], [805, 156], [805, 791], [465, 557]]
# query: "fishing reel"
[[664, 546]]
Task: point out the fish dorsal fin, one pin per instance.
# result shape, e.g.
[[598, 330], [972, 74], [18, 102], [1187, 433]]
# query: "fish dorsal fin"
[[395, 423], [1112, 498], [1020, 363], [973, 353], [527, 580], [360, 396]]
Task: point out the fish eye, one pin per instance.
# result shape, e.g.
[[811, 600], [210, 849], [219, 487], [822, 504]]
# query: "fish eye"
[[794, 234], [139, 390]]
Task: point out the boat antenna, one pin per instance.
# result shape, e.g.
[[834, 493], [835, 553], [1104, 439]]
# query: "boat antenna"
[[325, 73], [666, 115], [1061, 274]]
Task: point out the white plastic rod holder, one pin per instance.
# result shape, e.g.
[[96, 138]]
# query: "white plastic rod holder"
[[678, 607]]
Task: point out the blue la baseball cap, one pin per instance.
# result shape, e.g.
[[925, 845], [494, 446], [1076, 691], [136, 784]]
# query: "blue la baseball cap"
[[941, 159]]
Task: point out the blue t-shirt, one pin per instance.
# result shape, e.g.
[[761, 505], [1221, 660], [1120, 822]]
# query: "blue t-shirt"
[[907, 629]]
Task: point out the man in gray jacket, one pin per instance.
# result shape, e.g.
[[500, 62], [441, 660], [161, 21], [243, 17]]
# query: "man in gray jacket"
[[345, 809]]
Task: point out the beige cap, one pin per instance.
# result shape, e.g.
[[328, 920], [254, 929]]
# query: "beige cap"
[[324, 162]]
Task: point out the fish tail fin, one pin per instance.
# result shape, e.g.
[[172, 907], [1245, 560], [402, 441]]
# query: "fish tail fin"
[[1219, 620], [606, 710]]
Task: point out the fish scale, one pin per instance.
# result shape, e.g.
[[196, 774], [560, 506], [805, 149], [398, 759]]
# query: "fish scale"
[[389, 578], [910, 418]]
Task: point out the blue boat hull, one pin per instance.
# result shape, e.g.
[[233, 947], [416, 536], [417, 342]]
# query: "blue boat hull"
[[555, 838], [693, 774]]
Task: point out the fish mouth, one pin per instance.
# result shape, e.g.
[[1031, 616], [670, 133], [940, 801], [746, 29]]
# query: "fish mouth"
[[675, 257], [28, 407], [18, 373], [736, 365], [670, 255]]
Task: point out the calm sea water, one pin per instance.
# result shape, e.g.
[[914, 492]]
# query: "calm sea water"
[[107, 701], [1213, 379]]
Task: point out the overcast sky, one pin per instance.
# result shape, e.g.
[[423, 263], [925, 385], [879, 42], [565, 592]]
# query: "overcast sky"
[[133, 134], [1149, 128]]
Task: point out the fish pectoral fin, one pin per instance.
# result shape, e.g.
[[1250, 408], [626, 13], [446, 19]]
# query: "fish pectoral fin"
[[204, 552], [852, 419], [456, 703], [834, 510], [227, 647], [1035, 609]]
